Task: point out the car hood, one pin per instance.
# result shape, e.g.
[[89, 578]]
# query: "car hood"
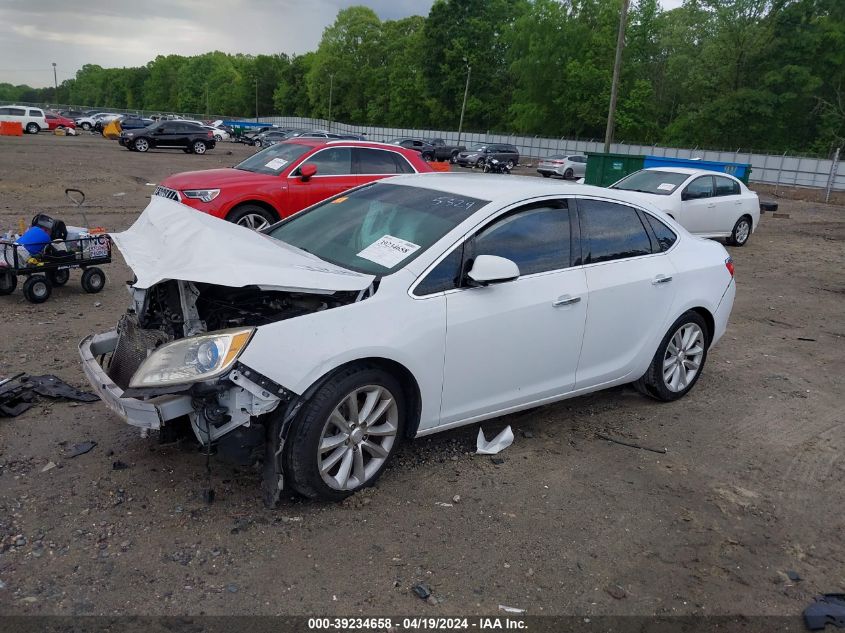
[[216, 178], [173, 241]]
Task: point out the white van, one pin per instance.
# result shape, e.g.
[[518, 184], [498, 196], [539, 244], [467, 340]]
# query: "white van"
[[32, 120]]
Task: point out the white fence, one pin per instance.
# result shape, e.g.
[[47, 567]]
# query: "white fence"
[[773, 169]]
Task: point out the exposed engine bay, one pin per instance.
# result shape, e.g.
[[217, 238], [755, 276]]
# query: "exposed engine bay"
[[178, 310]]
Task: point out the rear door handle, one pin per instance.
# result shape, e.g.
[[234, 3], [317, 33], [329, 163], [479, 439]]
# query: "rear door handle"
[[661, 279], [565, 300]]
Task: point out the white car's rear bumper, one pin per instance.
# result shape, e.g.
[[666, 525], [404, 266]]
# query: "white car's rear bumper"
[[723, 312]]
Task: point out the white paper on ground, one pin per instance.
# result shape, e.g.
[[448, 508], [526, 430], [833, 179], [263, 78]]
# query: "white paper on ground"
[[666, 186], [388, 251], [496, 445], [276, 163], [510, 609]]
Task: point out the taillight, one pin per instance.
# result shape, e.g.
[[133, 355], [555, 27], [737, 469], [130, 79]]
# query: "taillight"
[[729, 264], [209, 134]]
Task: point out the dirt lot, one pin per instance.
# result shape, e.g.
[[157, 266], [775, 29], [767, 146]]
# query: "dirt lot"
[[751, 486]]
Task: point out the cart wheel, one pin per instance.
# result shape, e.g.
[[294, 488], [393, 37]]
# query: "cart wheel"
[[59, 277], [8, 283], [93, 280], [37, 289]]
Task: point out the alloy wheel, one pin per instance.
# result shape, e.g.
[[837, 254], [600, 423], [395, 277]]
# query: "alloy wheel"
[[254, 221], [683, 357], [199, 147], [357, 437], [741, 232]]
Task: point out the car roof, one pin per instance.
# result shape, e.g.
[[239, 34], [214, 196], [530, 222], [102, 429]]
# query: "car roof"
[[505, 190], [320, 142], [688, 171]]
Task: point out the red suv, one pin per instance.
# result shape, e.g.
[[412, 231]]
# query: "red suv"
[[287, 177]]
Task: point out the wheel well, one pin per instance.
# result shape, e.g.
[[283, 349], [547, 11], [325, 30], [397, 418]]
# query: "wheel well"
[[257, 203], [704, 313], [411, 389]]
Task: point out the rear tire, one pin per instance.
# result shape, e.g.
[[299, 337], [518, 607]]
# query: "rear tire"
[[567, 175], [93, 280], [8, 282], [741, 232], [58, 277], [37, 289], [344, 467], [86, 126], [682, 351], [252, 216], [32, 128]]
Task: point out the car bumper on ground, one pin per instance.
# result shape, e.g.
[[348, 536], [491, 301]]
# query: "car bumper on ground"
[[145, 414]]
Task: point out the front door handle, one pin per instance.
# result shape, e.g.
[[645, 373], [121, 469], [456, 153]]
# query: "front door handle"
[[565, 300], [661, 279]]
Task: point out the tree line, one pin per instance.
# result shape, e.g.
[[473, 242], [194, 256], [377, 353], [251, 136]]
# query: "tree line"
[[755, 74]]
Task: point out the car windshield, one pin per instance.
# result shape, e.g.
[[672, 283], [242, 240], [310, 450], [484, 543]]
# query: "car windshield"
[[661, 183], [274, 159], [377, 229], [477, 148]]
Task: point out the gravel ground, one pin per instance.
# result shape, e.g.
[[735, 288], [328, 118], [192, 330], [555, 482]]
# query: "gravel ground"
[[749, 494]]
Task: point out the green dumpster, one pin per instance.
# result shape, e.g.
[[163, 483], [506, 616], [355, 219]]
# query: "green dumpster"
[[605, 169]]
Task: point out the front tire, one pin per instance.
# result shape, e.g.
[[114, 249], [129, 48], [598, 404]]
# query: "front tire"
[[741, 232], [252, 217], [679, 360], [141, 145], [345, 434], [37, 289], [86, 126], [32, 128]]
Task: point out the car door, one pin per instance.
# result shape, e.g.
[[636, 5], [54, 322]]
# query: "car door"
[[334, 174], [697, 204], [579, 165], [371, 164], [517, 342], [729, 204], [629, 280]]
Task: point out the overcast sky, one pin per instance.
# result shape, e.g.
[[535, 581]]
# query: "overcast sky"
[[35, 33]]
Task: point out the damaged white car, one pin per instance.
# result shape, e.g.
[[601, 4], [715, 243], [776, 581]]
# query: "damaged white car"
[[402, 308]]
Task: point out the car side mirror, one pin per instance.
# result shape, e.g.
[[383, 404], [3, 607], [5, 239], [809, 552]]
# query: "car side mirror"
[[686, 195], [492, 269], [307, 171]]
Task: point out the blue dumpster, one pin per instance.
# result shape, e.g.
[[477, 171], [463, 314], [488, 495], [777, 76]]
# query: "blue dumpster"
[[738, 170]]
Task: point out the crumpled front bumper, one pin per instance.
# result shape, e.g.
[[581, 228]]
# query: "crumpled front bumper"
[[146, 414]]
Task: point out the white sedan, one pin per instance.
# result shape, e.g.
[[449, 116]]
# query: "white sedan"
[[402, 308], [706, 203]]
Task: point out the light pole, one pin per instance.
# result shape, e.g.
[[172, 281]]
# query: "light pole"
[[206, 100], [331, 95], [56, 84], [256, 99], [614, 86], [464, 104]]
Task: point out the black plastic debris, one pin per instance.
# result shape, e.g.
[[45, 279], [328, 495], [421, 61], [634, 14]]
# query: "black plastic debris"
[[119, 465], [17, 394], [793, 575], [422, 590], [827, 609], [81, 448]]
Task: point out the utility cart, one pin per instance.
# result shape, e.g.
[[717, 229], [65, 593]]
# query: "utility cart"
[[68, 248]]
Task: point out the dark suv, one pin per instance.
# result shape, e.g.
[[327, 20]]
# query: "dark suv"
[[477, 155], [420, 145], [189, 137]]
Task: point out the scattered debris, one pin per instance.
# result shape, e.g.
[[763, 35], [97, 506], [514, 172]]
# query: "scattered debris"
[[804, 338], [528, 434], [17, 392], [48, 466], [232, 588], [433, 600], [496, 445], [794, 576], [631, 444], [456, 499], [81, 448], [118, 194], [443, 504], [616, 591], [497, 460], [827, 609], [97, 304], [783, 216], [53, 387], [119, 465], [422, 590], [507, 609]]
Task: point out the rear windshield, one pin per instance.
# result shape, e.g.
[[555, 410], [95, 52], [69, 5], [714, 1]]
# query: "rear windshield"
[[661, 183], [273, 160], [377, 229]]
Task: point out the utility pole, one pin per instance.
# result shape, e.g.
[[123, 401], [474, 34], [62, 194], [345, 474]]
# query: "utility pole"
[[464, 104], [56, 84], [206, 100], [617, 67], [331, 95], [256, 99]]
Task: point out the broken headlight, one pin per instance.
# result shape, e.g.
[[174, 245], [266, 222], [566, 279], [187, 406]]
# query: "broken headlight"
[[205, 195], [192, 359]]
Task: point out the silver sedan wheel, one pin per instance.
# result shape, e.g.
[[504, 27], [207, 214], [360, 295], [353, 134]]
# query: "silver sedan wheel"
[[253, 221], [199, 147], [741, 232], [357, 438], [683, 357]]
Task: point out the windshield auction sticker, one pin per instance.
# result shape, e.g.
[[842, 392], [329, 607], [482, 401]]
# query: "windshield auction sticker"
[[666, 186], [276, 163], [388, 251]]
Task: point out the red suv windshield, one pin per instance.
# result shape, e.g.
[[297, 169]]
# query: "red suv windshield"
[[274, 159]]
